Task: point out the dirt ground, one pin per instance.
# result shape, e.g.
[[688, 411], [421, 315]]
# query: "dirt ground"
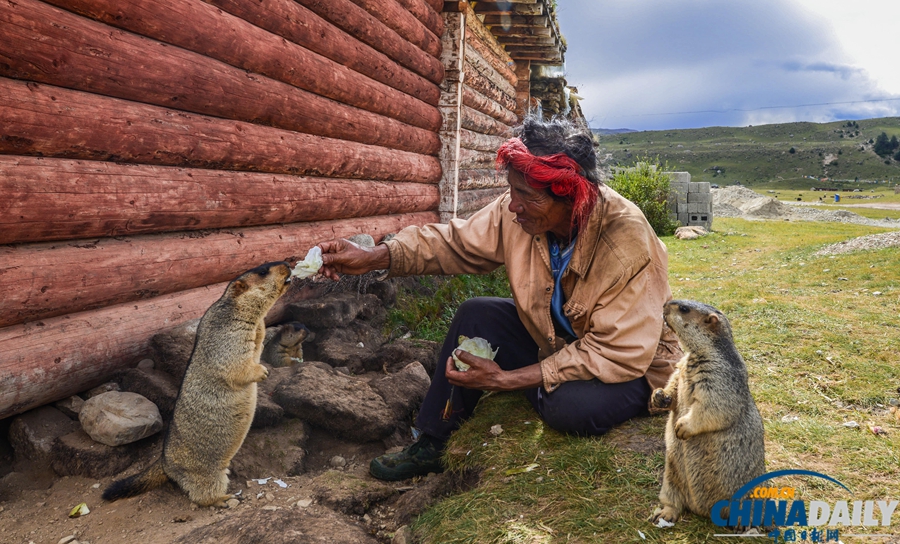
[[35, 503]]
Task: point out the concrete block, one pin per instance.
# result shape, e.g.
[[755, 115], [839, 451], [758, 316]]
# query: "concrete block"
[[704, 186], [680, 177], [699, 197], [694, 187], [683, 218]]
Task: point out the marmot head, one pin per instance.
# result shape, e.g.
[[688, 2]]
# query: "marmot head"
[[696, 324], [260, 286]]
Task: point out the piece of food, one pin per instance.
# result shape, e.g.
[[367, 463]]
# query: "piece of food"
[[475, 346], [310, 265]]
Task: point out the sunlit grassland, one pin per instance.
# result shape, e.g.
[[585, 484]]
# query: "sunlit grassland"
[[821, 339]]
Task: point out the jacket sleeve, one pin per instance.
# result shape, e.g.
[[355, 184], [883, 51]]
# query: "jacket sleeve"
[[463, 246], [623, 332]]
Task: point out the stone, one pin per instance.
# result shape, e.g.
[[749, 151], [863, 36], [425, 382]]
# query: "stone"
[[404, 391], [268, 412], [172, 348], [412, 503], [265, 453], [77, 454], [100, 389], [399, 353], [345, 405], [116, 418], [70, 406], [690, 232], [146, 364], [327, 312], [284, 526], [157, 386], [32, 434], [349, 493], [403, 535]]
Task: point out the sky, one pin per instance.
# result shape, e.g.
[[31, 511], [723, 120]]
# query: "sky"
[[664, 64]]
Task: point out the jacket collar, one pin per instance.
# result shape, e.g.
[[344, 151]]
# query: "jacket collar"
[[586, 243]]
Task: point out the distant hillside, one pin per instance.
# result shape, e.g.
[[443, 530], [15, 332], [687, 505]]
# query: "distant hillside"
[[758, 154], [608, 131]]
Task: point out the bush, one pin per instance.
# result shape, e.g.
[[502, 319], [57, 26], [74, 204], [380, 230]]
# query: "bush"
[[792, 151], [647, 186]]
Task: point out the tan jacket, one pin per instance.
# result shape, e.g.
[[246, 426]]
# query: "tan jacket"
[[615, 286]]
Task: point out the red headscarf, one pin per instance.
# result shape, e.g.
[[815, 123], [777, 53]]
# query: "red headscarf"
[[559, 172]]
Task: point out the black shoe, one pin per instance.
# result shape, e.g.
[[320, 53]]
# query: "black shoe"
[[418, 459]]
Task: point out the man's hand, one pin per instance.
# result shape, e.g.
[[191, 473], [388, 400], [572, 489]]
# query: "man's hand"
[[486, 375], [345, 257]]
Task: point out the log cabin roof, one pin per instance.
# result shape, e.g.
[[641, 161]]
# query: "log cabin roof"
[[527, 29]]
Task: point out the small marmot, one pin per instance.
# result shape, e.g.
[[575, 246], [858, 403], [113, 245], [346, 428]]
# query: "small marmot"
[[714, 436], [217, 399]]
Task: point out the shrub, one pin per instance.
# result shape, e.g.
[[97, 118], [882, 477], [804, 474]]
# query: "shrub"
[[792, 151], [647, 185]]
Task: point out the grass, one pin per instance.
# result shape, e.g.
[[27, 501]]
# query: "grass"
[[820, 336]]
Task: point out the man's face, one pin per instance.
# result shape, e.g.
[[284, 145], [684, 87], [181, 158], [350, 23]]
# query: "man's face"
[[536, 211]]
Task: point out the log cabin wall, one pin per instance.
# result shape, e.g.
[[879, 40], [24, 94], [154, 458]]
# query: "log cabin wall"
[[152, 151]]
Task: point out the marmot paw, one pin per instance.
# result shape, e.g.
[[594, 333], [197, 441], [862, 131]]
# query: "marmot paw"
[[682, 430], [664, 516], [660, 400]]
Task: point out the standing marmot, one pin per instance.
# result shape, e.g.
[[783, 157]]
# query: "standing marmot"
[[714, 436], [217, 400]]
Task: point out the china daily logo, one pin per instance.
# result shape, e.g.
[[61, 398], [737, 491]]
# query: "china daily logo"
[[795, 520]]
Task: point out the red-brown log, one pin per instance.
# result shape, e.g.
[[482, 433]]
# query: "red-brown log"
[[480, 142], [474, 59], [55, 358], [317, 34], [478, 101], [478, 122], [483, 85], [54, 122], [44, 280], [436, 5], [405, 24], [46, 44], [429, 16], [475, 28], [504, 67], [204, 29], [60, 199], [357, 22]]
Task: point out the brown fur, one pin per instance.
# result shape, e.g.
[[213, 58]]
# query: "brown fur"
[[714, 436], [217, 399]]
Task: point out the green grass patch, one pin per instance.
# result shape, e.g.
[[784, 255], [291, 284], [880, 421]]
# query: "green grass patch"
[[820, 336]]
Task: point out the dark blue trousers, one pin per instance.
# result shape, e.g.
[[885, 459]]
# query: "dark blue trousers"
[[585, 408]]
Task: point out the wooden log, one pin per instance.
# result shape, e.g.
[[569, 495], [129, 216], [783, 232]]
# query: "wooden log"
[[530, 40], [426, 14], [60, 199], [44, 280], [516, 31], [474, 200], [523, 89], [476, 29], [317, 34], [516, 20], [55, 122], [204, 29], [55, 358], [484, 68], [478, 122], [481, 179], [452, 58], [474, 140], [478, 101], [554, 58], [474, 159], [483, 85], [46, 44], [360, 24], [504, 67], [436, 5], [504, 8], [396, 17]]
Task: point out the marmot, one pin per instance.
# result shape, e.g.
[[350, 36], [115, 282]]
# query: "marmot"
[[714, 436], [217, 399], [285, 346]]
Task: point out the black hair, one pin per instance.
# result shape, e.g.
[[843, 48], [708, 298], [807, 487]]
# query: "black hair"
[[559, 135]]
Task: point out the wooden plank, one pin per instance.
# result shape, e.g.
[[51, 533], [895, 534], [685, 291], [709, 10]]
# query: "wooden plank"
[[426, 14], [452, 58], [478, 101], [360, 24], [55, 122], [478, 122], [508, 41], [475, 199], [486, 87], [44, 280], [205, 29], [60, 199], [516, 31], [49, 45], [516, 20], [481, 179], [523, 89], [504, 65], [56, 358], [501, 8], [476, 141], [475, 159], [396, 17], [499, 80], [476, 29], [317, 34]]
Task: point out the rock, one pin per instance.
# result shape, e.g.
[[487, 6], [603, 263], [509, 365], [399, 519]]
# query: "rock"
[[32, 434], [349, 493], [327, 312], [337, 462], [340, 348], [386, 291], [146, 364], [690, 232], [172, 348], [264, 453], [100, 389], [403, 535], [157, 386], [67, 539], [436, 487], [76, 454], [404, 391], [232, 503], [70, 406], [399, 353], [279, 527], [345, 405], [268, 412], [116, 418]]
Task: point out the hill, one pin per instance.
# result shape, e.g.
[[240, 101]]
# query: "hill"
[[754, 155]]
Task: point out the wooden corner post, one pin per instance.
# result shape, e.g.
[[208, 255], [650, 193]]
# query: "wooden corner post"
[[453, 59]]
